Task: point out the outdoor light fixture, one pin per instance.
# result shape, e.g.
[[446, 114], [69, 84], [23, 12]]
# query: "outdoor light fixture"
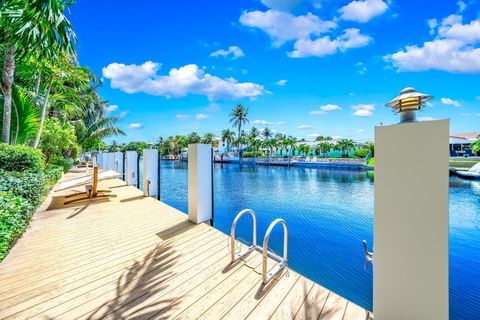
[[150, 144], [408, 103]]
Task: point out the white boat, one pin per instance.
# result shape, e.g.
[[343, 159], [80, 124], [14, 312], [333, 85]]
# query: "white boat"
[[472, 173]]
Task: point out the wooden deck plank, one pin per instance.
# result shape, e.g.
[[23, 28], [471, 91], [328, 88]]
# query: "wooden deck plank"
[[135, 257]]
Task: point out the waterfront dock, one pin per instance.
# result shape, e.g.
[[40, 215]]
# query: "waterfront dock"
[[132, 256]]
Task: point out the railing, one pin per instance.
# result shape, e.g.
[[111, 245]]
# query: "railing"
[[234, 255], [282, 262]]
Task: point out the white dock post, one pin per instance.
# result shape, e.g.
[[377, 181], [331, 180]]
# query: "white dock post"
[[410, 278], [118, 162], [200, 187], [110, 161], [150, 173], [131, 172]]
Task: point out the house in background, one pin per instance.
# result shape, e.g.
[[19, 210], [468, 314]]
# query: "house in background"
[[460, 143]]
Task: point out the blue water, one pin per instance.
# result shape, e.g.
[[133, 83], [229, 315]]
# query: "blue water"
[[329, 213]]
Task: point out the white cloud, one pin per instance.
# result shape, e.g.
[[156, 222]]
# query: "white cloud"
[[426, 119], [450, 102], [363, 110], [213, 107], [262, 122], [305, 127], [351, 38], [280, 123], [233, 51], [477, 97], [313, 135], [112, 108], [363, 11], [183, 116], [281, 82], [189, 79], [432, 24], [461, 6], [455, 48], [135, 125], [361, 68], [201, 116], [283, 26], [360, 130], [324, 109], [123, 114], [465, 114]]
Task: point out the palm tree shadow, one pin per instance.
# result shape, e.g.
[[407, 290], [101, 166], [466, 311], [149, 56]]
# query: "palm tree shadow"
[[145, 278]]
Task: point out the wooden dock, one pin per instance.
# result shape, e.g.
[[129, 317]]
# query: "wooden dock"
[[135, 257]]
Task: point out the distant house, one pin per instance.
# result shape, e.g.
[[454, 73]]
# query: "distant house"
[[460, 143]]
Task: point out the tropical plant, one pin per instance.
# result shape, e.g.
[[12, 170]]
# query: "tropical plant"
[[59, 139], [345, 145], [227, 137], [193, 138], [324, 148], [137, 146], [37, 28], [267, 133], [209, 138], [290, 143], [476, 146], [239, 118], [20, 158], [96, 126]]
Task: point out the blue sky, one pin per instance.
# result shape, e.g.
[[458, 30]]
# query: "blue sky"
[[302, 67]]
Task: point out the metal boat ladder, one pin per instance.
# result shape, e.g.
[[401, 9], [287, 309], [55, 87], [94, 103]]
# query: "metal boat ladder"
[[282, 261]]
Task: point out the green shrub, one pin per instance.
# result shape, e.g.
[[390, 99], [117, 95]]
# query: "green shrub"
[[249, 154], [29, 185], [53, 173], [361, 153], [60, 161], [20, 158], [15, 213]]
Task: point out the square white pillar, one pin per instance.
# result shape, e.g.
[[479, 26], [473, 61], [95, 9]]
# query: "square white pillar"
[[118, 163], [410, 274], [150, 173], [200, 188], [110, 161], [131, 169]]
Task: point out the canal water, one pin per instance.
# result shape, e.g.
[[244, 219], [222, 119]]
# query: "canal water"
[[329, 213]]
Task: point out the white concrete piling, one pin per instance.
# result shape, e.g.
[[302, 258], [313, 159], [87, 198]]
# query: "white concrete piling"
[[150, 172], [200, 187], [131, 170]]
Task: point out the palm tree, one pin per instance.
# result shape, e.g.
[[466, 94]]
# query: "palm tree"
[[345, 145], [238, 119], [193, 138], [95, 126], [209, 138], [41, 30], [476, 145], [324, 148], [227, 137], [267, 133], [290, 142]]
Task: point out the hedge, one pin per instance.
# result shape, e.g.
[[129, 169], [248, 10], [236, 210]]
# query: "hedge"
[[20, 158], [29, 185], [15, 213], [361, 153]]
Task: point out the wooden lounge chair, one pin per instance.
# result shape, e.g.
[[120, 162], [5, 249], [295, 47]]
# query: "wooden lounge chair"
[[91, 191]]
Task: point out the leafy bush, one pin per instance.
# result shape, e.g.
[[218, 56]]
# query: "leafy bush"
[[20, 158], [60, 161], [53, 173], [15, 213], [361, 153], [57, 139], [249, 154], [29, 185]]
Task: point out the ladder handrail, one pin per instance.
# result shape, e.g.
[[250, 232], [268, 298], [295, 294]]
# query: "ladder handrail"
[[234, 256], [283, 262]]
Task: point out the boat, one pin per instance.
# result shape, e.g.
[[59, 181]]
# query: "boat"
[[473, 173]]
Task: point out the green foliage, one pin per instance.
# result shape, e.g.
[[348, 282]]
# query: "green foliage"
[[250, 154], [29, 185], [361, 153], [20, 158], [66, 163], [53, 173], [475, 146], [371, 162], [57, 138], [15, 213], [138, 146]]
